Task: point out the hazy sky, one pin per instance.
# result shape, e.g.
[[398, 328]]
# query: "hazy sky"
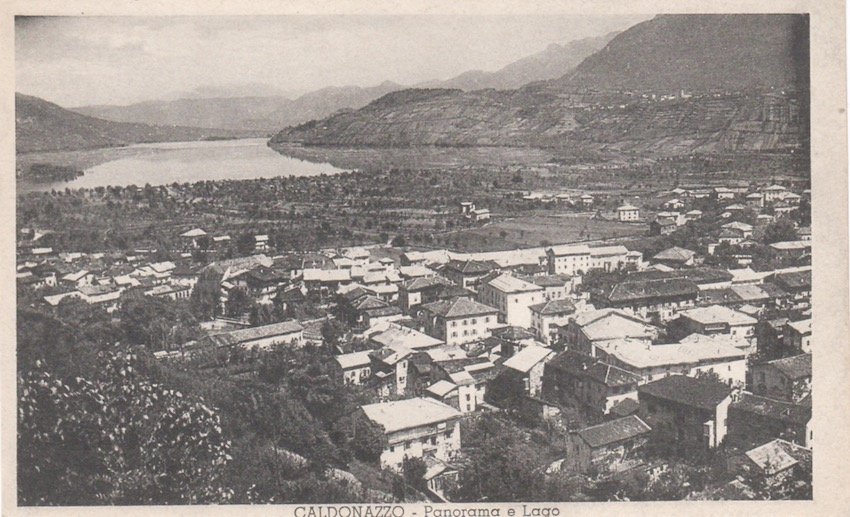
[[75, 61]]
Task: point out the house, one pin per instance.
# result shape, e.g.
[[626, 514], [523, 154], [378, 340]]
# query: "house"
[[459, 320], [525, 370], [265, 337], [804, 233], [714, 319], [789, 378], [548, 316], [415, 428], [658, 298], [742, 229], [674, 257], [685, 412], [754, 419], [592, 328], [730, 237], [568, 259], [755, 200], [512, 296], [418, 291], [798, 335], [689, 357], [792, 249], [572, 377], [673, 204], [261, 242], [194, 237], [607, 448], [628, 213], [662, 226], [480, 215], [777, 465], [693, 215], [389, 366], [555, 287], [354, 367], [798, 284], [586, 200], [396, 336], [99, 294], [577, 259], [723, 193], [773, 193], [467, 273]]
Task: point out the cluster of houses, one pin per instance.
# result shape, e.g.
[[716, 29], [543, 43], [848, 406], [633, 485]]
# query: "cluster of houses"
[[674, 353]]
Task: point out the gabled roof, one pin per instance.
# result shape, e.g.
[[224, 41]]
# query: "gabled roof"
[[524, 360], [779, 455], [253, 333], [551, 307], [568, 249], [404, 414], [458, 308], [646, 289], [397, 335], [795, 367], [354, 359], [614, 431], [696, 392], [675, 253], [441, 388], [626, 206], [718, 314], [781, 410], [472, 267], [803, 327], [603, 324], [511, 284], [584, 365], [196, 232]]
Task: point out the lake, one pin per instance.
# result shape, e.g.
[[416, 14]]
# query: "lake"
[[181, 162]]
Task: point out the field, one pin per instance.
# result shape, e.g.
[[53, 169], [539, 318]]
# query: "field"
[[540, 230]]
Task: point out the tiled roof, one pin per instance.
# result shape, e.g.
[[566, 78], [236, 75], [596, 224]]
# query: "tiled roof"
[[614, 431], [795, 367], [560, 306], [512, 284], [779, 455], [525, 359], [409, 413], [718, 314], [642, 290], [675, 253], [701, 393], [772, 408], [472, 267], [458, 308], [584, 365]]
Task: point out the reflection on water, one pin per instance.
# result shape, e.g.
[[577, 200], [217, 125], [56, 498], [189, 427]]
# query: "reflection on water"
[[187, 162]]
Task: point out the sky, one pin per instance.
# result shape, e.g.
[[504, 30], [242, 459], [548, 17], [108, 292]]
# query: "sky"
[[76, 61]]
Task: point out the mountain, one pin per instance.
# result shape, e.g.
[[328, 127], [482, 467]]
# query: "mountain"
[[43, 126], [266, 114], [553, 62], [700, 53], [223, 107], [584, 109]]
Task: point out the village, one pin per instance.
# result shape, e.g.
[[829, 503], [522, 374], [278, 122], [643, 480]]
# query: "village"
[[642, 357]]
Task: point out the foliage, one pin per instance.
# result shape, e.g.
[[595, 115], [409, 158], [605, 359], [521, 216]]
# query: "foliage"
[[116, 438], [780, 230]]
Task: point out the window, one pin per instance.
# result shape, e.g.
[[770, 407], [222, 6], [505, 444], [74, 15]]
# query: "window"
[[392, 448], [454, 324], [474, 321], [433, 440], [487, 319], [467, 397], [406, 445], [454, 334]]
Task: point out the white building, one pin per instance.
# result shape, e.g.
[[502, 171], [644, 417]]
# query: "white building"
[[415, 428], [628, 213], [513, 297]]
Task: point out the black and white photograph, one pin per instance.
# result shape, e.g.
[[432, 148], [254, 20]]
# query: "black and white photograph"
[[426, 259]]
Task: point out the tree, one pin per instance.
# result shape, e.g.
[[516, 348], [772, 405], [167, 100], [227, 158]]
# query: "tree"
[[414, 470], [238, 302], [245, 244], [778, 231], [116, 438]]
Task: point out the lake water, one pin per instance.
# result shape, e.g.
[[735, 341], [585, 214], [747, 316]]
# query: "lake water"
[[181, 162]]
